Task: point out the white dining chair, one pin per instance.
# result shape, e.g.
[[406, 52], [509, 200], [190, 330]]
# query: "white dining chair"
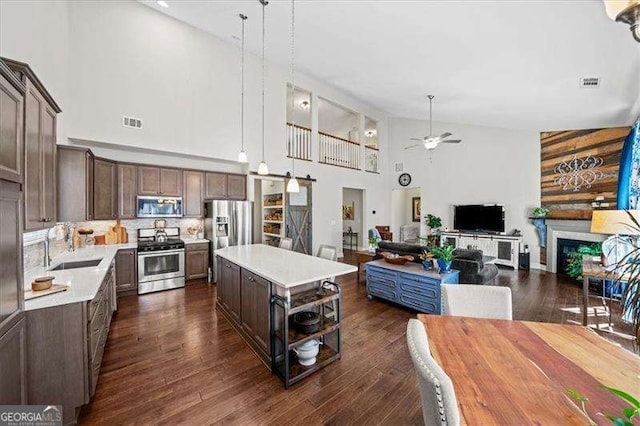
[[286, 243], [477, 301], [328, 252], [438, 398]]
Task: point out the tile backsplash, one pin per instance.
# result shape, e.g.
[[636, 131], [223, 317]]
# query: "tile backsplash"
[[33, 254]]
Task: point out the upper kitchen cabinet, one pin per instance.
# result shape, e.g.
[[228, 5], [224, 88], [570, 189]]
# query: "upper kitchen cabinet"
[[225, 186], [193, 182], [11, 125], [105, 189], [159, 181], [127, 190], [75, 184], [40, 112]]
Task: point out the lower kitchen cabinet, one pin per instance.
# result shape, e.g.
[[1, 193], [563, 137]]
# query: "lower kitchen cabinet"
[[126, 271], [13, 380], [231, 285], [65, 345], [196, 261]]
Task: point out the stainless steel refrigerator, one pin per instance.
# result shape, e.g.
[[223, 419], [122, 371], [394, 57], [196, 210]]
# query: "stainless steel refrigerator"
[[227, 223]]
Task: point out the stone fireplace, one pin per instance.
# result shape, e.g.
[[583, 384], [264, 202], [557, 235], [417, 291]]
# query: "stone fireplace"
[[566, 231]]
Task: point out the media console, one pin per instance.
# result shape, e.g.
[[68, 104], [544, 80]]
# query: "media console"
[[504, 248]]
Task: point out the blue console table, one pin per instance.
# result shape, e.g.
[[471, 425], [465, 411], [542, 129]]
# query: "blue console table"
[[408, 285]]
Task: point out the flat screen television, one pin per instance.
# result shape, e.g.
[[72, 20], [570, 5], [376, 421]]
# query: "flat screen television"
[[479, 218]]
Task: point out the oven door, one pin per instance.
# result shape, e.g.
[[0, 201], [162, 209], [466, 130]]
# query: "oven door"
[[160, 265]]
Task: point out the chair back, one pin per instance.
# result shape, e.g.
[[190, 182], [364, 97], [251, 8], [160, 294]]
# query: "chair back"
[[439, 403], [328, 252], [286, 243], [477, 301]]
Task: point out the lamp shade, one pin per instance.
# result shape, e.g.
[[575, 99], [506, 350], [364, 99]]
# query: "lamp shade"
[[614, 7], [293, 185], [615, 222]]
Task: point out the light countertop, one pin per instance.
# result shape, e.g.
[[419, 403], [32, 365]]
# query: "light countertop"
[[284, 268], [83, 282], [190, 240]]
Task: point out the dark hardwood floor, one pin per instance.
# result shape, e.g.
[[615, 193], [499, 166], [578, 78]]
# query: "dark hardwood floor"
[[170, 358]]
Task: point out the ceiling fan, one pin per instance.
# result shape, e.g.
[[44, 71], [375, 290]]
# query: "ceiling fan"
[[431, 142]]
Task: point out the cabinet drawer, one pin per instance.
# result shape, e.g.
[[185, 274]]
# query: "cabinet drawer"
[[381, 282], [95, 303], [96, 361], [424, 288], [196, 246], [382, 292], [420, 303], [96, 326], [381, 272]]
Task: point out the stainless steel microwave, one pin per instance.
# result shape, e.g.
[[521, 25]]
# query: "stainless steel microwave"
[[156, 206]]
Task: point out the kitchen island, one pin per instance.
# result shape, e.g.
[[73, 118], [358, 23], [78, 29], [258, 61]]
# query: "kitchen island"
[[248, 279]]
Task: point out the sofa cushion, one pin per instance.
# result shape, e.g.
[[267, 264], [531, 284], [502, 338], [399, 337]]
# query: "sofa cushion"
[[473, 255], [401, 249]]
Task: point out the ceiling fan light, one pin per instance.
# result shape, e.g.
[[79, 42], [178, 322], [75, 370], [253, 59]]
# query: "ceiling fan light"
[[293, 185], [263, 169], [242, 157], [430, 144]]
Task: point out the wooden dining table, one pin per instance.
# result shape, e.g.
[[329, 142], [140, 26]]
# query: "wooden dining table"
[[518, 372]]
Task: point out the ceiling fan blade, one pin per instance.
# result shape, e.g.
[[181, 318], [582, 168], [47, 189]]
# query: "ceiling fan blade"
[[413, 146], [444, 135], [416, 139], [452, 141]]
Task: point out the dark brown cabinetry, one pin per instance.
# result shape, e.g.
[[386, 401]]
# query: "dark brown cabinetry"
[[192, 192], [236, 187], [40, 111], [196, 261], [105, 189], [12, 344], [11, 125], [225, 186], [159, 181], [126, 272], [75, 184], [127, 191], [229, 285]]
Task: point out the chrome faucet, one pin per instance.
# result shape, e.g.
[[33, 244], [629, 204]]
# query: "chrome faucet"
[[47, 258]]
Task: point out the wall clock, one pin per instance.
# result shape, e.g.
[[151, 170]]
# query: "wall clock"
[[404, 179]]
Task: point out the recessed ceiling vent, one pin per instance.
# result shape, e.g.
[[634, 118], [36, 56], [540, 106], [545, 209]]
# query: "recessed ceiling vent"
[[399, 167], [134, 123], [590, 82]]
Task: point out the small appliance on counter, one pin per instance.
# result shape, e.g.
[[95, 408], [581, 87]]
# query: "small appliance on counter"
[[160, 259]]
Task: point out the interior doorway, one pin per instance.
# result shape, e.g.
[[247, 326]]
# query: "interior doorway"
[[353, 232], [406, 214]]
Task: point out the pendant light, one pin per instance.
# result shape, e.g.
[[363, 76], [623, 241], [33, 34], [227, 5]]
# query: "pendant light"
[[293, 185], [262, 167], [242, 156]]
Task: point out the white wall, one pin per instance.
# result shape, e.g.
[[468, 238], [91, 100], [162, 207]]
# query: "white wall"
[[103, 60], [491, 165], [402, 209]]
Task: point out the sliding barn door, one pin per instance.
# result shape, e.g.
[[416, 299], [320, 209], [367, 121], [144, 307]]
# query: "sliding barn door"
[[298, 212]]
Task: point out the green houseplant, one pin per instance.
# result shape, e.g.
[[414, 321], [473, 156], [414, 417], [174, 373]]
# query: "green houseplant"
[[444, 255], [628, 270], [574, 268], [434, 223]]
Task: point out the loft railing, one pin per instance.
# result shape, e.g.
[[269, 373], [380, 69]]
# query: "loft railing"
[[299, 142], [371, 155], [338, 151]]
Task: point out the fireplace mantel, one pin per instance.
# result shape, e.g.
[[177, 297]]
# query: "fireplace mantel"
[[569, 229]]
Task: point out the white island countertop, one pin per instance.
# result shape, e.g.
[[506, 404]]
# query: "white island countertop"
[[83, 282], [284, 268]]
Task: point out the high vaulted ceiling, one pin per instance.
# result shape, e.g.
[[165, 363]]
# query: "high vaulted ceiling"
[[513, 64]]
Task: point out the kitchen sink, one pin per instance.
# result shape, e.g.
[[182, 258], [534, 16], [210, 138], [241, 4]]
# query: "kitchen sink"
[[77, 264]]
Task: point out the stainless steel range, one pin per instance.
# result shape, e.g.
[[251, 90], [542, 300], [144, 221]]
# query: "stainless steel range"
[[160, 259]]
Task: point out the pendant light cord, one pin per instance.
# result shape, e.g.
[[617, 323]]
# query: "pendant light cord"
[[293, 84], [264, 5], [430, 116], [244, 18]]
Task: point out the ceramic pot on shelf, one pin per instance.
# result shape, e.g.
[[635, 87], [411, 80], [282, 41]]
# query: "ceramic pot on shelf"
[[307, 352]]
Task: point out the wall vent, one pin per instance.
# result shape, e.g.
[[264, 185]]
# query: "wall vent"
[[590, 82], [399, 167], [134, 123]]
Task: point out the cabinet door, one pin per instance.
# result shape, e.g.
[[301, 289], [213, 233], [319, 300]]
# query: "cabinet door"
[[215, 185], [126, 274], [148, 180], [197, 264], [11, 260], [192, 193], [13, 359], [262, 303], [220, 278], [11, 142], [89, 163], [234, 291], [248, 302], [33, 216], [105, 185], [127, 191], [237, 187], [171, 182], [48, 141]]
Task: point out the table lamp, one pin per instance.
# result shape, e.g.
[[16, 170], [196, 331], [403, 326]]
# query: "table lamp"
[[622, 229]]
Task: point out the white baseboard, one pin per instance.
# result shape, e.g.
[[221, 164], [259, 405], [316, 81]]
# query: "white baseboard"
[[539, 266]]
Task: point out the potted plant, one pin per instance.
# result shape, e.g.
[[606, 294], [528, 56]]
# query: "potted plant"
[[538, 216], [574, 268], [628, 271], [434, 223], [444, 255], [427, 260], [373, 244]]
